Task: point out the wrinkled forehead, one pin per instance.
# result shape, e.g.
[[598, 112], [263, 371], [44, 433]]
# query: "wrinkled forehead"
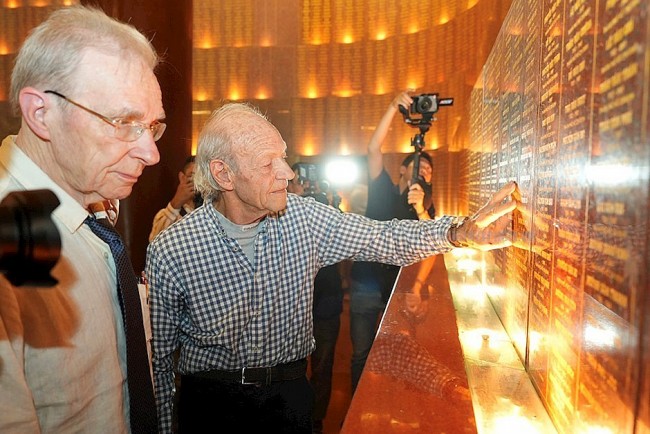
[[117, 75], [262, 138]]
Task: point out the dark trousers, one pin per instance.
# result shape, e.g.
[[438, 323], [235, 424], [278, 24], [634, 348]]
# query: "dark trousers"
[[326, 332], [227, 407]]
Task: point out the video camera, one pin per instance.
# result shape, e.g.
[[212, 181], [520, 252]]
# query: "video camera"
[[424, 105], [30, 243]]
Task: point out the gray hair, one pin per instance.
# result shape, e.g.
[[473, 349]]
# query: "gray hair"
[[229, 129], [51, 53]]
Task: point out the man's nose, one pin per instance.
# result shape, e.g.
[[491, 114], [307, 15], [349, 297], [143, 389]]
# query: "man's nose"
[[284, 171], [146, 150]]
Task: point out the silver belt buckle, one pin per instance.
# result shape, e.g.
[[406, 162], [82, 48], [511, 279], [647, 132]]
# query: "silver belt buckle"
[[243, 377], [267, 379]]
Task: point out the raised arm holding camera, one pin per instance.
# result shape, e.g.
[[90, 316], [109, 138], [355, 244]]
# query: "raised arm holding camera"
[[184, 201], [371, 282]]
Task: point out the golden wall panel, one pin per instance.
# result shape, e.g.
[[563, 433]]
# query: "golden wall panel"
[[331, 49], [562, 107]]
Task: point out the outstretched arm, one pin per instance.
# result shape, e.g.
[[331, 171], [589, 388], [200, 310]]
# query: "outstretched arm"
[[375, 160]]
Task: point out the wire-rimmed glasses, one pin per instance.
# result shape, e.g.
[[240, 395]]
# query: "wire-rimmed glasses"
[[128, 131]]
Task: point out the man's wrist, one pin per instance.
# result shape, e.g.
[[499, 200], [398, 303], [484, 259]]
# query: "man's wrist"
[[452, 233]]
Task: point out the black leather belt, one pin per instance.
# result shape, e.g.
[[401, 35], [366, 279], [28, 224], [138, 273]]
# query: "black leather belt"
[[257, 376]]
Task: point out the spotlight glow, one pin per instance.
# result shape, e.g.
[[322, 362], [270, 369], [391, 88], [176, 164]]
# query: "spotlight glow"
[[341, 172]]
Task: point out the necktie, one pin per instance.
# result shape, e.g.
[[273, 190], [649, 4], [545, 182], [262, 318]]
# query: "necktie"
[[142, 402]]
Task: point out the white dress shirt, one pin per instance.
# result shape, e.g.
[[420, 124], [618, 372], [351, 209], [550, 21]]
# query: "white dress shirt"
[[62, 348]]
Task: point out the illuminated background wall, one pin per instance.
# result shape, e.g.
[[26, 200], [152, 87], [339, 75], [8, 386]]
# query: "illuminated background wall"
[[323, 70]]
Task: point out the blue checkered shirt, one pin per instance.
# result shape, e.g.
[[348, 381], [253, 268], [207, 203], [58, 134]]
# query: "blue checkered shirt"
[[224, 313]]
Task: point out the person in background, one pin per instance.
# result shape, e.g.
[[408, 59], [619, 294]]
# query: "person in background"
[[371, 282], [327, 308], [184, 201], [91, 110], [232, 283]]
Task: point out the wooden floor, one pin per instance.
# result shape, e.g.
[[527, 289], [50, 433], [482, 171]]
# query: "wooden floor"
[[340, 400]]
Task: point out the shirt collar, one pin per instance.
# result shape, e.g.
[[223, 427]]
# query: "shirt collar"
[[31, 177]]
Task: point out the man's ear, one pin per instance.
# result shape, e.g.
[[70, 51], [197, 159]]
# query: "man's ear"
[[221, 174], [33, 106]]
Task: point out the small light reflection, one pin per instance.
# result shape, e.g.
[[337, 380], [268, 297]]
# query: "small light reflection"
[[405, 147], [474, 292], [597, 430], [312, 92], [206, 43], [600, 337], [201, 95], [535, 340], [380, 36], [262, 93], [515, 422], [463, 253], [468, 266], [344, 93], [411, 85], [480, 339], [344, 149], [308, 149], [496, 291], [614, 174], [234, 94]]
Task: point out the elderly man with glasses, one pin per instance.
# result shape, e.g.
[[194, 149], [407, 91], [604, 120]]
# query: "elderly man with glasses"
[[71, 354]]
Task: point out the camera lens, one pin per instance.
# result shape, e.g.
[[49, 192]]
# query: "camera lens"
[[30, 244], [425, 105]]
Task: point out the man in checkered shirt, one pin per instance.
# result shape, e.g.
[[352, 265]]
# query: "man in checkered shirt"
[[231, 285]]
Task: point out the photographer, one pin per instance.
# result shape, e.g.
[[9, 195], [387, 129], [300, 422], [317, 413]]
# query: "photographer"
[[371, 283], [184, 201]]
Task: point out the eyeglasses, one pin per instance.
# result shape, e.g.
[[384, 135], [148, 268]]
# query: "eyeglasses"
[[128, 131]]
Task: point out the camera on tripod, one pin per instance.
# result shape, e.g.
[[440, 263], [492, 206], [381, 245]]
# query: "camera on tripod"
[[428, 103], [424, 105]]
